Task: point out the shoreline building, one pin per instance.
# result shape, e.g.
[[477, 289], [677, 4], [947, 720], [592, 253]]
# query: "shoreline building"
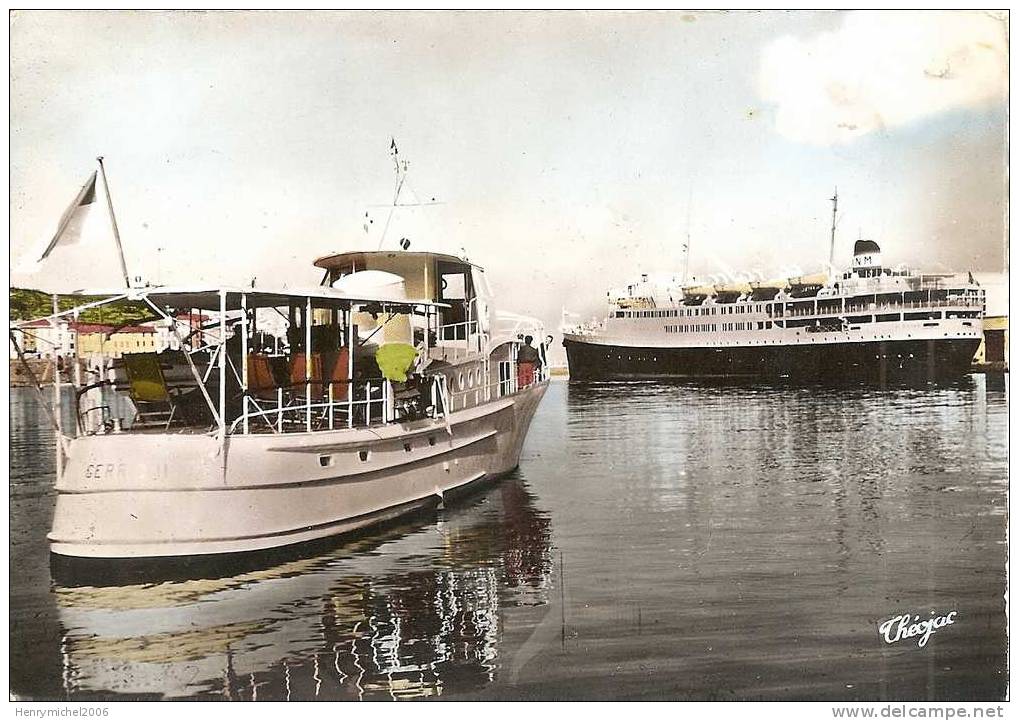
[[993, 350]]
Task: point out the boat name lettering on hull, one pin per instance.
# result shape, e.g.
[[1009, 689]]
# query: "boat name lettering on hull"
[[98, 471]]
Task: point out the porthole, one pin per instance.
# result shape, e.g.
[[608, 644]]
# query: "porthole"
[[431, 440], [364, 455], [325, 461], [407, 447]]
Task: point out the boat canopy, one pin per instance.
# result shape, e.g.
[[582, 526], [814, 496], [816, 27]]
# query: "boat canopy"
[[364, 260], [209, 297]]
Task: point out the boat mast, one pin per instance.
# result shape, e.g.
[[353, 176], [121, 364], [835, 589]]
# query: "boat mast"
[[113, 220], [831, 249]]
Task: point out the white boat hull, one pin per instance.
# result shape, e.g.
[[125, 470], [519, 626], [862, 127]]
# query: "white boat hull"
[[141, 495]]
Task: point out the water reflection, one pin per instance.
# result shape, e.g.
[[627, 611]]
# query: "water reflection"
[[766, 530], [710, 543], [412, 612]]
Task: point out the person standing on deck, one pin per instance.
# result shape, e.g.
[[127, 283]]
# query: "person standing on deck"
[[527, 359]]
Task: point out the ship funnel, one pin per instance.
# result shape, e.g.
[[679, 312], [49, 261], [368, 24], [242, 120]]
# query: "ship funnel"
[[866, 258]]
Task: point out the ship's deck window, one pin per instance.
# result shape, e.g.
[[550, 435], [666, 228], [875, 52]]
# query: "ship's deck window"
[[887, 317], [890, 298]]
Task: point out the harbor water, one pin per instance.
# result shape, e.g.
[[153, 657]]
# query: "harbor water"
[[658, 541]]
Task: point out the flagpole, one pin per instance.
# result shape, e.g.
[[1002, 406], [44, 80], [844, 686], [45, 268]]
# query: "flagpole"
[[113, 219]]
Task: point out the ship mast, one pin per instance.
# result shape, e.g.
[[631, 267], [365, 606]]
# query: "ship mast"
[[686, 256], [686, 246], [831, 249]]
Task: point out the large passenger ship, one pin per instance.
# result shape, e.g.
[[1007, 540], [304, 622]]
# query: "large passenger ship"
[[869, 323]]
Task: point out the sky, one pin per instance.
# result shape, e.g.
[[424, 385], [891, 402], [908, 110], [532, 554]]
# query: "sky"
[[566, 152]]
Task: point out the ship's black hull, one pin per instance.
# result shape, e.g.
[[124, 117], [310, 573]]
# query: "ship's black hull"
[[880, 362]]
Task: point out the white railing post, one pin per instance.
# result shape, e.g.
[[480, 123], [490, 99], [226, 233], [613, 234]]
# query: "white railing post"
[[307, 362], [330, 406], [58, 413], [350, 366], [222, 366]]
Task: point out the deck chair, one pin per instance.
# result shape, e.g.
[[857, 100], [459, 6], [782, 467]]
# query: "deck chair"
[[261, 380], [154, 404], [339, 377], [297, 371], [265, 391]]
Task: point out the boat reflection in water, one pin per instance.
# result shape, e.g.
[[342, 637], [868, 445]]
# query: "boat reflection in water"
[[412, 611]]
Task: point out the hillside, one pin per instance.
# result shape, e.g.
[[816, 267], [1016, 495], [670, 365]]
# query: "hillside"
[[27, 304]]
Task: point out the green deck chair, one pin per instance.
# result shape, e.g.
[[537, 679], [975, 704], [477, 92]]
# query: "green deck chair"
[[149, 393]]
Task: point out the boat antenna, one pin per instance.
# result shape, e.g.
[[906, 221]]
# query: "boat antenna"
[[113, 220], [401, 176], [831, 249]]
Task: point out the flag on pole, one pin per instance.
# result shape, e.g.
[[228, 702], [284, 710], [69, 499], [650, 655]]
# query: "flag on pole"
[[73, 220]]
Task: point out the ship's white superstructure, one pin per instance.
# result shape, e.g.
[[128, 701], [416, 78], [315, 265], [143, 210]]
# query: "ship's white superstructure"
[[867, 321]]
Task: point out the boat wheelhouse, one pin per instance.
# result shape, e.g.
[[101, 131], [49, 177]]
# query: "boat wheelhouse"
[[870, 323], [295, 414]]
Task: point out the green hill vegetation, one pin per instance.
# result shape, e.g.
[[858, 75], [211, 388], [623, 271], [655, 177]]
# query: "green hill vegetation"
[[27, 304]]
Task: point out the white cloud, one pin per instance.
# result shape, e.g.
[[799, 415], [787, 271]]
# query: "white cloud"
[[881, 70]]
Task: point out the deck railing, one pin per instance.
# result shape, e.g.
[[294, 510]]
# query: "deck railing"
[[376, 405], [877, 307], [368, 403]]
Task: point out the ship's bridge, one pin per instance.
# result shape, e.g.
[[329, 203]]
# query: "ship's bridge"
[[441, 278]]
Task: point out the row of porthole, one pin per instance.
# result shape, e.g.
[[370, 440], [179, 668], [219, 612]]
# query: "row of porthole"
[[365, 455], [752, 343]]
